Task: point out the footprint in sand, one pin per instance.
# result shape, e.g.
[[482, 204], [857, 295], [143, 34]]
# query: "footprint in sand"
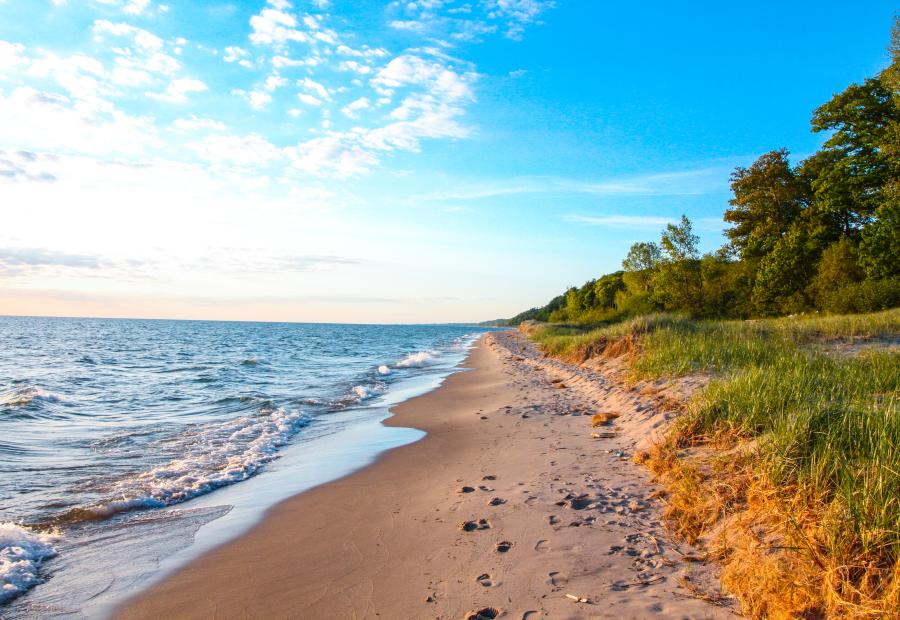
[[467, 490], [542, 546], [471, 526], [496, 501], [490, 477], [503, 546], [487, 613], [552, 519], [485, 580], [557, 579]]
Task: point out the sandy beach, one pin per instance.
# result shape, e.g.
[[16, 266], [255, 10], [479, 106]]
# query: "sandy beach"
[[508, 505]]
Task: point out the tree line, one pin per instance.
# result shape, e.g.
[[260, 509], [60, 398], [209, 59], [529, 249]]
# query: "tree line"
[[823, 234]]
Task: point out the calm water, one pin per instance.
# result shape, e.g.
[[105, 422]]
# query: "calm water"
[[109, 428]]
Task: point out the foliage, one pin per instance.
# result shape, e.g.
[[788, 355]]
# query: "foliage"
[[823, 234], [768, 197]]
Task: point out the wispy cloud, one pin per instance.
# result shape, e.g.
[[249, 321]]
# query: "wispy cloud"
[[680, 183], [620, 221], [706, 224], [468, 22], [16, 260]]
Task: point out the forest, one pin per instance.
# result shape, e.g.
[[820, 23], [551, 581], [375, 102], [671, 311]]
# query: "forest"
[[821, 234]]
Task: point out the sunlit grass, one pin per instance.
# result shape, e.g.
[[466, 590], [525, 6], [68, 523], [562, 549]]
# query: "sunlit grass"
[[821, 425]]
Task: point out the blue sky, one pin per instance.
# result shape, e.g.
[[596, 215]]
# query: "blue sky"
[[434, 160]]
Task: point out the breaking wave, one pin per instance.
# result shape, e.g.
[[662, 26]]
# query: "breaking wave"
[[21, 554], [217, 455], [420, 359], [21, 396]]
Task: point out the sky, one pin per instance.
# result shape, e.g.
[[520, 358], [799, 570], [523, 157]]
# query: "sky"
[[385, 162]]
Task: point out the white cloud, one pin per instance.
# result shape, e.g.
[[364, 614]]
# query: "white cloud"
[[357, 67], [259, 99], [11, 57], [469, 22], [196, 123], [441, 81], [233, 53], [178, 90], [350, 110], [274, 81], [316, 88], [249, 150], [136, 7], [38, 120], [143, 39], [275, 27], [517, 14], [335, 154], [129, 7], [365, 52], [309, 99]]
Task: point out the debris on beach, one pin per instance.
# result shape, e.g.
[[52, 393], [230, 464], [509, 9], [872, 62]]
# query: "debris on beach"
[[578, 599]]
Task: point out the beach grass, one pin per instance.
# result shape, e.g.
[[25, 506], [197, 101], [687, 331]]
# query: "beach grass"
[[791, 452]]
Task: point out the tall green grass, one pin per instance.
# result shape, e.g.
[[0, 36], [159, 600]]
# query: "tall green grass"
[[824, 423]]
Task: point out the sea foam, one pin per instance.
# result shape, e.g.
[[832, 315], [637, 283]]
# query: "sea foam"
[[217, 455], [21, 554], [418, 360], [363, 392]]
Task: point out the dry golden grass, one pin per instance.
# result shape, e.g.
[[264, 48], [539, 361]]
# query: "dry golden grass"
[[603, 418], [786, 467], [766, 538]]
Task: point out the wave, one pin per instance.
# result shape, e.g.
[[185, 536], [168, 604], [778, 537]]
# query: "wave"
[[384, 370], [419, 359], [223, 454], [21, 396], [21, 554], [363, 392]]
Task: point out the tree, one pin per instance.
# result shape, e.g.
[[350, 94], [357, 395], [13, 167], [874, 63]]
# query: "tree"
[[768, 197], [838, 268], [605, 290], [850, 175], [784, 274], [639, 264], [677, 281], [879, 248]]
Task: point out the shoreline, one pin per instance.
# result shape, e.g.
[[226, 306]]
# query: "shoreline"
[[503, 446]]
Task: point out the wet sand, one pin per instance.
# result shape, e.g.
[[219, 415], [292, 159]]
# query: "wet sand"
[[508, 503]]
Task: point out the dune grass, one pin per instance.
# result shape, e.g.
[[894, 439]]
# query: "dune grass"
[[824, 432]]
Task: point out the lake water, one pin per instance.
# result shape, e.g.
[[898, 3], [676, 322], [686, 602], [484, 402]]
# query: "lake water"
[[127, 447]]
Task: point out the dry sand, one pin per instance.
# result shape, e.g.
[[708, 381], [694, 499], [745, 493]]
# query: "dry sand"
[[564, 515]]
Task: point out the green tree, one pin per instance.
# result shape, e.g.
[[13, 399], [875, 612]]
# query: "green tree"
[[850, 175], [640, 262], [605, 290], [784, 275], [677, 281], [768, 197], [879, 248], [837, 269]]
